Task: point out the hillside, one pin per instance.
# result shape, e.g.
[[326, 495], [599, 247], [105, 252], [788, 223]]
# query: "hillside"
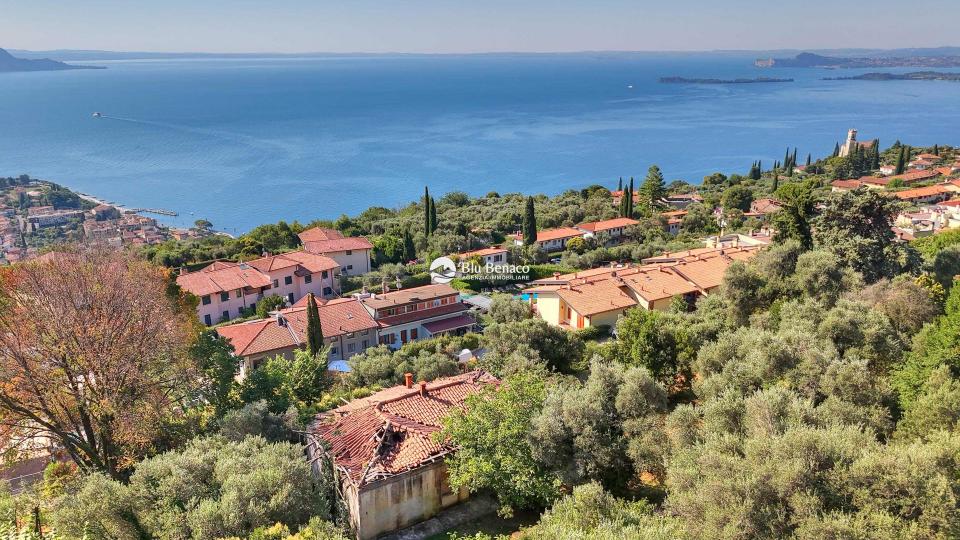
[[10, 63]]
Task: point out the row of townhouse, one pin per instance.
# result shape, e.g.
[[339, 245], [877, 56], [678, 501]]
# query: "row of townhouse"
[[352, 325], [556, 239], [600, 296], [226, 289]]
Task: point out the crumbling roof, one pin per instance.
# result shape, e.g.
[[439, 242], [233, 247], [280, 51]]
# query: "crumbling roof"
[[391, 432]]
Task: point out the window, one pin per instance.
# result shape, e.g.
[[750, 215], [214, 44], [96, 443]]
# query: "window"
[[324, 275], [333, 351], [226, 315], [288, 280], [253, 307], [365, 344], [349, 267], [224, 296], [327, 291], [349, 252], [276, 283], [239, 293], [413, 334], [351, 347], [308, 278], [206, 300], [290, 297], [206, 319], [436, 302]]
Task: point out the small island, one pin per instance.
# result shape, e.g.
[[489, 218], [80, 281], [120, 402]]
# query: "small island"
[[914, 76], [10, 63], [684, 80]]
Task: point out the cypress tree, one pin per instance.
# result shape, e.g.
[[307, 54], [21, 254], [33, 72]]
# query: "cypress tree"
[[776, 183], [314, 332], [620, 185], [808, 160], [409, 250], [433, 215], [760, 167], [793, 158], [630, 199], [836, 150], [899, 167], [529, 223], [875, 164], [786, 159], [426, 211]]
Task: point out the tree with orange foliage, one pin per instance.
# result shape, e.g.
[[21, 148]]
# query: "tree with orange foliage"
[[93, 355]]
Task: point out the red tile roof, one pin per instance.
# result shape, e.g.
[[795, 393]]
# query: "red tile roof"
[[310, 261], [319, 234], [392, 431], [337, 317], [222, 277], [481, 252], [916, 176], [460, 321], [554, 234], [407, 296], [605, 225], [422, 314], [321, 241], [846, 184], [918, 193]]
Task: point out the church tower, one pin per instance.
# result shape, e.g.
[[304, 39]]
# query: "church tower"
[[848, 146]]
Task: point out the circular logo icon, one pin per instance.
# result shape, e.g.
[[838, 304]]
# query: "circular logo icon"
[[442, 270]]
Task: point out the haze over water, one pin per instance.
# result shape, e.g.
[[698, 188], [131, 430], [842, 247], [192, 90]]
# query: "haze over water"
[[248, 141]]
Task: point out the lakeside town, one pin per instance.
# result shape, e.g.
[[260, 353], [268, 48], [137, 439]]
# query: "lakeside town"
[[784, 339]]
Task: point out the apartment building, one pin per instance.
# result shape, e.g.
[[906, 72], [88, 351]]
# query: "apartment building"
[[421, 312], [351, 253]]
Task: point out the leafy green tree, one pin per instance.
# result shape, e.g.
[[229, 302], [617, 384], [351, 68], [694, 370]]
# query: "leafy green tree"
[[936, 408], [494, 449], [556, 347], [793, 220], [256, 420], [409, 249], [269, 303], [504, 308], [604, 430], [855, 225], [214, 356], [314, 330], [387, 249], [284, 382], [737, 197], [656, 341]]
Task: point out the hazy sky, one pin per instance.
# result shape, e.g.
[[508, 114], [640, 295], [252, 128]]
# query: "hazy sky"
[[480, 25]]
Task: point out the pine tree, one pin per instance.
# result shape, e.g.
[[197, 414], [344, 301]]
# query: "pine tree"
[[314, 332], [529, 223], [426, 211], [653, 187], [409, 250]]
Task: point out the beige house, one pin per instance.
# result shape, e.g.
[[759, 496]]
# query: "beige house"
[[407, 315], [388, 465], [351, 253]]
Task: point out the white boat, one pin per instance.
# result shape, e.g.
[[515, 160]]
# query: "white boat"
[[97, 115]]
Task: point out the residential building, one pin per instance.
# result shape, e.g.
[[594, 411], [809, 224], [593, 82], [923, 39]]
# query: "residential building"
[[417, 313], [227, 288], [611, 229], [674, 221], [765, 206], [601, 295], [682, 201], [928, 194], [348, 329], [351, 253], [552, 239], [388, 462], [490, 255]]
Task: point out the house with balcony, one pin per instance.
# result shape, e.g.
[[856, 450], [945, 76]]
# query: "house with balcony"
[[552, 239], [490, 255], [225, 289], [407, 315], [351, 253], [348, 330], [611, 229]]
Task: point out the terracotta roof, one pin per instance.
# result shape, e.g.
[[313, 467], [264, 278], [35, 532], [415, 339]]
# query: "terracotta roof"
[[916, 176], [554, 234], [918, 193], [605, 225], [846, 184], [460, 321], [319, 234], [391, 431], [407, 296], [222, 277], [597, 297], [765, 206], [931, 157], [659, 283], [337, 317], [337, 244], [310, 261]]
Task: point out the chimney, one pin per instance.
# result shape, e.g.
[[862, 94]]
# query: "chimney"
[[408, 379], [423, 388], [556, 275]]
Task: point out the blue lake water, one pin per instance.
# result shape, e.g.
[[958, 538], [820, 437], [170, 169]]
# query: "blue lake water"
[[247, 141]]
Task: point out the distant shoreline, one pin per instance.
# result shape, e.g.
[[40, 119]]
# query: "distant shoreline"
[[756, 80], [914, 76]]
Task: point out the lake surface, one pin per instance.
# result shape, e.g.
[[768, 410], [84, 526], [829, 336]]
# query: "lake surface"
[[247, 141]]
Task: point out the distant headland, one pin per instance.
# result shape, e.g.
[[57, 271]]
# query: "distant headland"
[[810, 60], [684, 80], [914, 76], [10, 63]]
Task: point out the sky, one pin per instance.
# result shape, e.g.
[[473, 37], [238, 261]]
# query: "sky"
[[458, 26]]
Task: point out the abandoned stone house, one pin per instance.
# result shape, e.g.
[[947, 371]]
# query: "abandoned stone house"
[[389, 470]]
